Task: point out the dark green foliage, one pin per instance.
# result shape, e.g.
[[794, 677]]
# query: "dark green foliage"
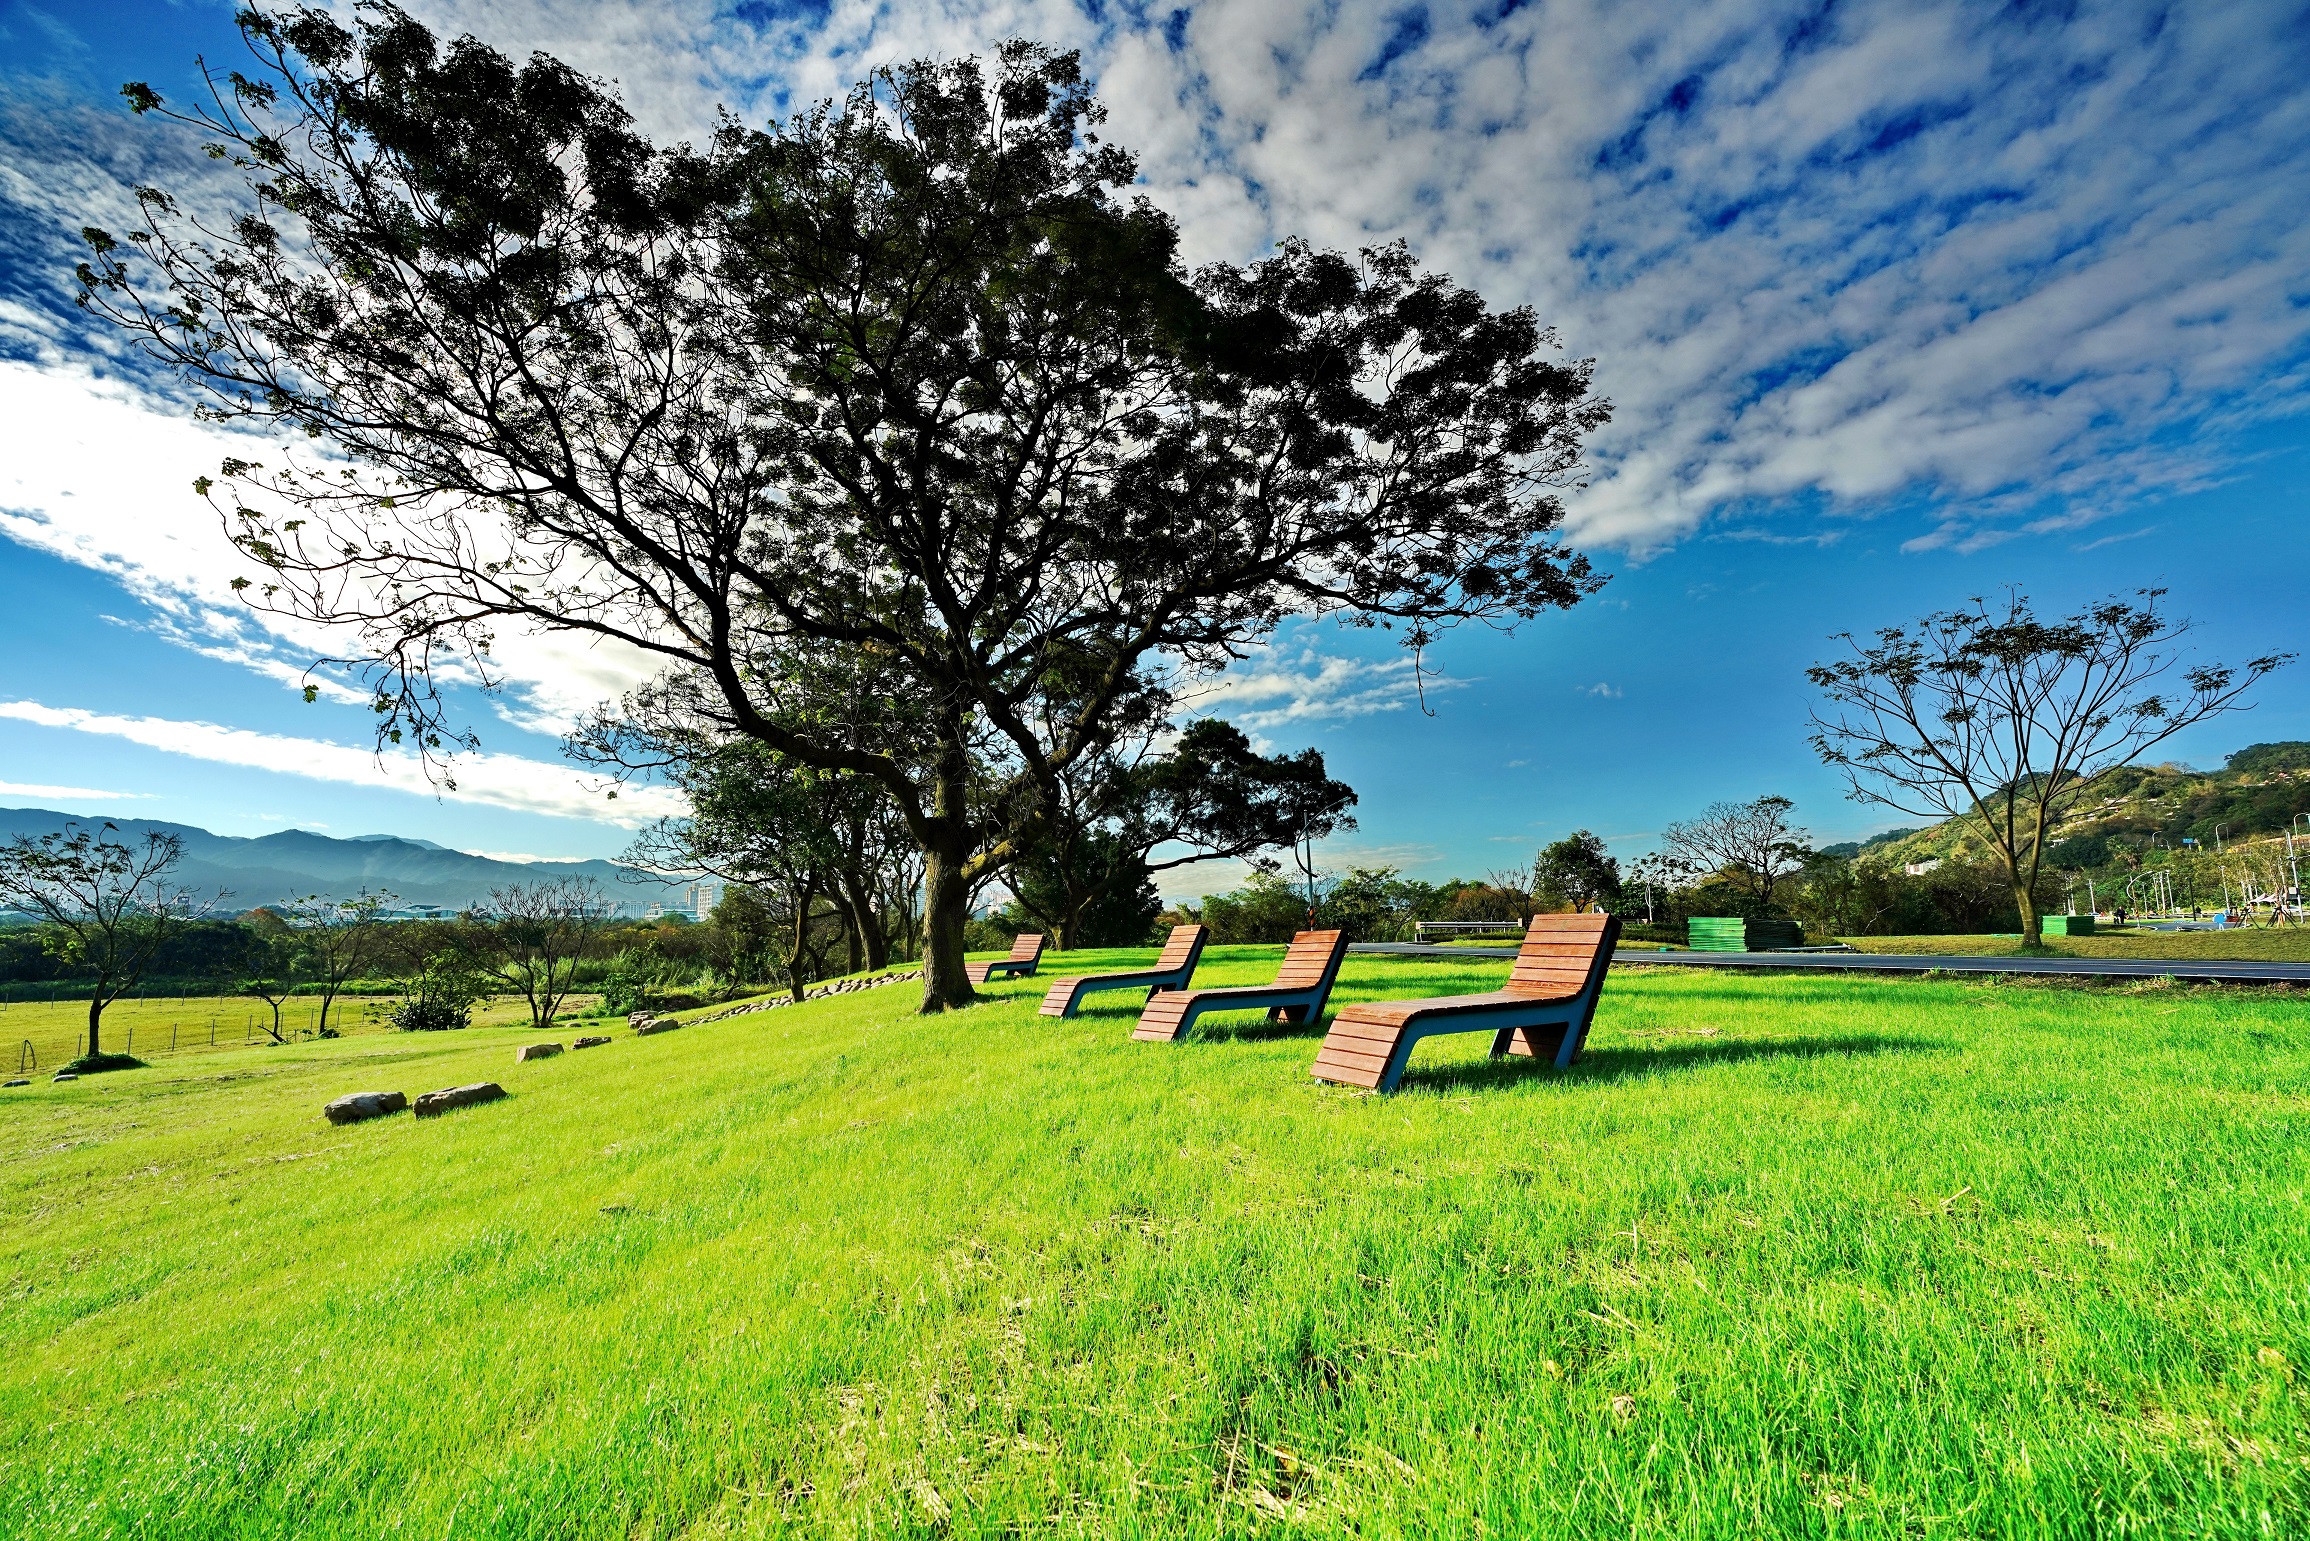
[[1119, 910], [1118, 819], [442, 994], [2078, 852], [1576, 872], [2266, 759], [97, 1064], [1266, 909]]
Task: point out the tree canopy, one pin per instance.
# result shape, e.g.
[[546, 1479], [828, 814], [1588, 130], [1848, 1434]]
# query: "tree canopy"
[[909, 376]]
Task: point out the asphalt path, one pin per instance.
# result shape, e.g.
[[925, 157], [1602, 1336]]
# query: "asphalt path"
[[2195, 970]]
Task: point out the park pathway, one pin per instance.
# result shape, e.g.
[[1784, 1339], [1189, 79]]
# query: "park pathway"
[[2195, 970]]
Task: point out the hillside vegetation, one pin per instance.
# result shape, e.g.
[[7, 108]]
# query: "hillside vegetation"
[[2134, 810], [1784, 1256]]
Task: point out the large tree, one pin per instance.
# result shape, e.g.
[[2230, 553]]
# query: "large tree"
[[909, 374], [1987, 714], [109, 902]]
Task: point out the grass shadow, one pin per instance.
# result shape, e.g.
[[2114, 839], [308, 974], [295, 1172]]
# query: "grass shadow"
[[1627, 1063]]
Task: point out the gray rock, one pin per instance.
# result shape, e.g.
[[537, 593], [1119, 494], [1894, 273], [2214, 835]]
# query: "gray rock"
[[530, 1051], [654, 1025], [15, 1083], [359, 1107], [65, 1075], [637, 1018], [434, 1104], [589, 1043]]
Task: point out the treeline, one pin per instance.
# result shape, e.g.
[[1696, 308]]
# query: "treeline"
[[663, 963]]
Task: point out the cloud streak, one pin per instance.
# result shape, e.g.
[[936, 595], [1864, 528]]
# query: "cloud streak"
[[497, 780]]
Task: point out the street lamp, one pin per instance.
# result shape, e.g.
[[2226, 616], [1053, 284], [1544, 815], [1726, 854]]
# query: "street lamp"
[[2218, 836]]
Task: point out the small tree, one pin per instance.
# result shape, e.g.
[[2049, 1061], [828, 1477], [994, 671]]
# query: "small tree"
[[339, 937], [1576, 871], [441, 993], [269, 965], [1123, 819], [543, 931], [109, 903], [1990, 715], [1751, 846]]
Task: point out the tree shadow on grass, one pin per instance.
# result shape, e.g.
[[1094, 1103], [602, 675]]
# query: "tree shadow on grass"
[[1636, 1060]]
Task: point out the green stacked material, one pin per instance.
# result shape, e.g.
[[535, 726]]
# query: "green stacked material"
[[1730, 933], [2068, 925]]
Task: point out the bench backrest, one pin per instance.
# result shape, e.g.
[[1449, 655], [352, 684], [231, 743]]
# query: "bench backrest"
[[1564, 954], [1185, 944], [1314, 956], [1027, 947]]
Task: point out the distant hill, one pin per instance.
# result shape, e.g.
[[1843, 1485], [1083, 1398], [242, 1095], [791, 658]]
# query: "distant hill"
[[2258, 791], [268, 869]]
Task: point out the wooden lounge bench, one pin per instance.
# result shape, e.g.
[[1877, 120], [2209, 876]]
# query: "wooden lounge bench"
[[1026, 956], [1301, 987], [1542, 1012], [1171, 972]]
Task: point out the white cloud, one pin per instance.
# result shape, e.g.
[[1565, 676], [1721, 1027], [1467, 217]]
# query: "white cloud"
[[41, 793], [2032, 269], [1602, 689], [1294, 682], [498, 780]]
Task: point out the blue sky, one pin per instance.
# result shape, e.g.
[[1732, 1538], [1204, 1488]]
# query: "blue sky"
[[1896, 304]]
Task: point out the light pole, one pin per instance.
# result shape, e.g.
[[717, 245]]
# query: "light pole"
[[2218, 846]]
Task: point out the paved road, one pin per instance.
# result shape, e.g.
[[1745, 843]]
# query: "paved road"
[[2196, 970]]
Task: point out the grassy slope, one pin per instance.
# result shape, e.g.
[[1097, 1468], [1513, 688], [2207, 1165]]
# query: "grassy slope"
[[1796, 1255]]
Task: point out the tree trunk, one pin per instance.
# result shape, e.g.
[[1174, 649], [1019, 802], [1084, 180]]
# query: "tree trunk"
[[867, 918], [2032, 924], [95, 1018], [945, 910]]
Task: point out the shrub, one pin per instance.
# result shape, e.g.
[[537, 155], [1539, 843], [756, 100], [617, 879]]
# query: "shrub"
[[441, 996]]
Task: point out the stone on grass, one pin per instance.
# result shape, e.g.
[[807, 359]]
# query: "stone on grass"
[[433, 1104], [530, 1051], [637, 1018], [589, 1043], [15, 1083], [654, 1025], [359, 1107], [64, 1075]]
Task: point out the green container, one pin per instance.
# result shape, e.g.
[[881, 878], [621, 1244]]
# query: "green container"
[[2066, 925], [1730, 933]]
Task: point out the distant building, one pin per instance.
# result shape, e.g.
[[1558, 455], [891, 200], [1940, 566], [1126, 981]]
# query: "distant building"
[[1918, 869]]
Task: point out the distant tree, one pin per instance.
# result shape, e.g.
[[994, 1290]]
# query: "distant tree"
[[1120, 819], [915, 374], [1750, 846], [440, 995], [1267, 908], [772, 825], [109, 904], [1576, 871], [1990, 715], [339, 937], [542, 932], [269, 962]]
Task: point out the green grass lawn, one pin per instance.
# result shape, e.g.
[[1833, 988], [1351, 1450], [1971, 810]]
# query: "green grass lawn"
[[1782, 1256], [2284, 944]]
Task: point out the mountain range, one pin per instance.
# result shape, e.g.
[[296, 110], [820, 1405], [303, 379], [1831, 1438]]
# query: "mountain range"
[[268, 869]]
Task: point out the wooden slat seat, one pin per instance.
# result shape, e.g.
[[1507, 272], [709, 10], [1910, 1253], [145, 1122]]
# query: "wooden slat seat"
[[1301, 987], [1172, 971], [1542, 1012], [1026, 956]]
